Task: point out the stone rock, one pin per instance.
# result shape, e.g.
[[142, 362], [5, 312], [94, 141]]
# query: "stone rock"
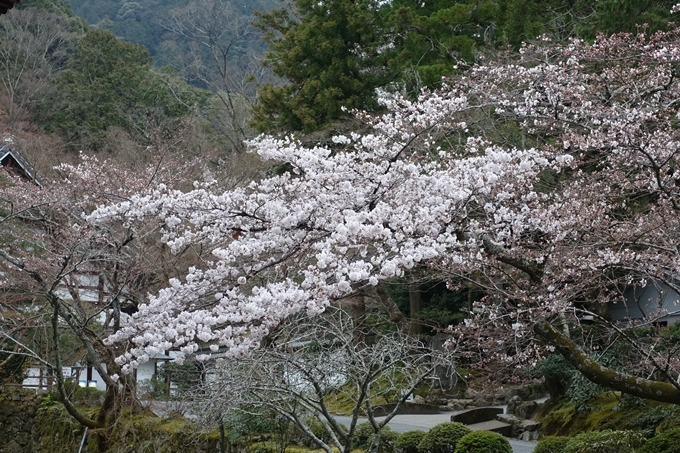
[[529, 425], [521, 429], [483, 400], [459, 404], [418, 400], [526, 410], [508, 418], [436, 397], [529, 436], [499, 400], [501, 395], [512, 404]]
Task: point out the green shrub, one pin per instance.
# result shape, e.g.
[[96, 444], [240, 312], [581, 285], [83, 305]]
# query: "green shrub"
[[483, 442], [667, 442], [557, 373], [408, 442], [442, 438], [552, 444], [649, 420], [606, 442], [364, 434], [319, 430]]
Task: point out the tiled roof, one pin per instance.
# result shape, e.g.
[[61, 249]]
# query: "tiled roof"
[[6, 5], [13, 158]]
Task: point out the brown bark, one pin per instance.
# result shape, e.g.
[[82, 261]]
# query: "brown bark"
[[415, 304], [396, 316], [607, 377], [358, 304]]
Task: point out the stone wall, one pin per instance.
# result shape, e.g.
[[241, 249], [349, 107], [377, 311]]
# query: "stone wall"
[[31, 423], [18, 409]]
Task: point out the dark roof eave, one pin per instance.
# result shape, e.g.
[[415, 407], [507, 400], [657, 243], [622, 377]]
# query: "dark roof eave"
[[6, 5]]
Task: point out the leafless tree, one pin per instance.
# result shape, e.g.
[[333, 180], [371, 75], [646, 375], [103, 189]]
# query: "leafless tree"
[[220, 57], [66, 284], [34, 47], [313, 363]]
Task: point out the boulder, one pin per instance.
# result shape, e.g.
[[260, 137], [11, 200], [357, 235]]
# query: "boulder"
[[520, 427], [526, 410], [529, 436], [436, 397], [459, 404], [512, 404], [529, 425], [483, 400]]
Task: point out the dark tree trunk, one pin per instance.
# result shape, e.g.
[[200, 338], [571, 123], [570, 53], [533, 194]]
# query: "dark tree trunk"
[[415, 304]]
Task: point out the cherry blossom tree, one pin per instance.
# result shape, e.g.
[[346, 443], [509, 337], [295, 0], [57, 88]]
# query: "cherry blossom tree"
[[66, 284], [550, 179]]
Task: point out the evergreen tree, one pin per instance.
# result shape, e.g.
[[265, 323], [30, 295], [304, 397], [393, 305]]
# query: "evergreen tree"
[[330, 55], [110, 83]]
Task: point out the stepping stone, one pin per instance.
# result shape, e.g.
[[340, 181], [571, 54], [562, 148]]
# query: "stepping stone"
[[493, 425]]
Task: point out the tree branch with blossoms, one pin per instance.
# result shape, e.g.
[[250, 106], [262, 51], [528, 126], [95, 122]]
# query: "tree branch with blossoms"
[[549, 181]]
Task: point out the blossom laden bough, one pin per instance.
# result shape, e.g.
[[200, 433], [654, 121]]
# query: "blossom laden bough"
[[346, 218], [551, 182]]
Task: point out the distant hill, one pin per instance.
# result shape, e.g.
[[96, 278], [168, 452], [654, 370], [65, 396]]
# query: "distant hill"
[[142, 21]]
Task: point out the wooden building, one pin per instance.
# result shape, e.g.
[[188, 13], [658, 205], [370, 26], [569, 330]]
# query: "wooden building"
[[13, 162]]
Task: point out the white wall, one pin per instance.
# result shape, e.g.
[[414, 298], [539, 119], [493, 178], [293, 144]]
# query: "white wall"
[[654, 302]]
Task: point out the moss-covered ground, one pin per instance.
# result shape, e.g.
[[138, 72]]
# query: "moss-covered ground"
[[607, 411]]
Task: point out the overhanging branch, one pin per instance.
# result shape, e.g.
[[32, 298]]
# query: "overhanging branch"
[[607, 377]]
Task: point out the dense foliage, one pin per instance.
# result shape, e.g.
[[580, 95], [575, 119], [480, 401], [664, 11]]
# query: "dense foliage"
[[666, 442], [408, 441], [483, 442], [443, 438], [606, 442], [109, 83], [552, 444], [335, 54]]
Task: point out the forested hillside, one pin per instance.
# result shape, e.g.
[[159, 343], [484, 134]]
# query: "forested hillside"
[[69, 87], [146, 22]]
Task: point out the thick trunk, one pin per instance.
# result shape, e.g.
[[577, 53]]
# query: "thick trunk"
[[386, 301], [358, 304], [607, 377], [415, 304]]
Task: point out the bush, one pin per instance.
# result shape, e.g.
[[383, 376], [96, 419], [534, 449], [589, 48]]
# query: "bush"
[[442, 438], [557, 373], [649, 420], [552, 444], [606, 442], [408, 442], [483, 442], [668, 442], [364, 434]]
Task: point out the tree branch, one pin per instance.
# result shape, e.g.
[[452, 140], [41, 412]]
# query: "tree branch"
[[607, 377]]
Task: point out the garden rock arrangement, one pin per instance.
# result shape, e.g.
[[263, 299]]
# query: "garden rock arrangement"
[[499, 397], [519, 414]]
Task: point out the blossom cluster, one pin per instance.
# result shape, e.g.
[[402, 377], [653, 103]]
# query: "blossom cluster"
[[542, 180]]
